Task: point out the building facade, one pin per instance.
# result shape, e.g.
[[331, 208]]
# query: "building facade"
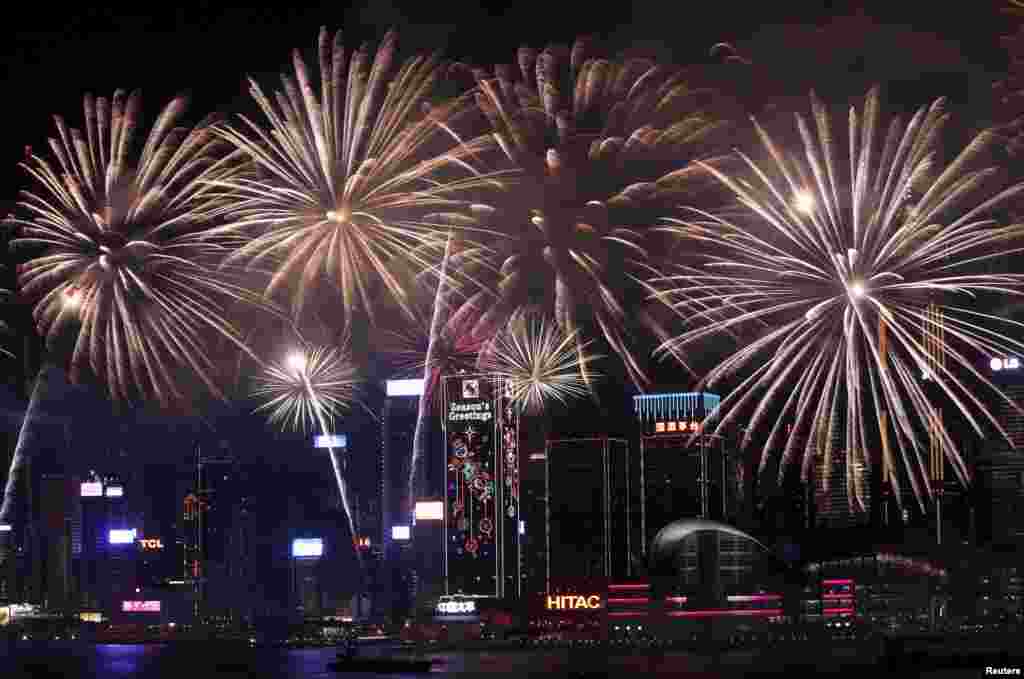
[[481, 507], [590, 525]]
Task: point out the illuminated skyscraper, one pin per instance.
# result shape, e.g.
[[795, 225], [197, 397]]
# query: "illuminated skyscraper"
[[1000, 467], [682, 472], [481, 510]]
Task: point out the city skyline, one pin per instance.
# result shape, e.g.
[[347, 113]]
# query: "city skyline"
[[712, 329]]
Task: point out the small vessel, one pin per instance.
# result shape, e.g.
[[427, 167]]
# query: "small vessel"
[[348, 661]]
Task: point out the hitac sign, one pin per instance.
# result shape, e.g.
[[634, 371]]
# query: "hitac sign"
[[572, 601]]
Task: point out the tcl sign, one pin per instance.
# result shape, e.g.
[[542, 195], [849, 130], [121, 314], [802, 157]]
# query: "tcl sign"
[[151, 543], [565, 602]]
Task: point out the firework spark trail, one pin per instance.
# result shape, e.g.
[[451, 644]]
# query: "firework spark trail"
[[307, 393], [437, 321], [355, 177], [598, 142], [540, 361], [821, 261]]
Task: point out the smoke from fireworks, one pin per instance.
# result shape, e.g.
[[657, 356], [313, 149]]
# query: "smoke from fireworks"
[[859, 284], [122, 255], [540, 361], [354, 179]]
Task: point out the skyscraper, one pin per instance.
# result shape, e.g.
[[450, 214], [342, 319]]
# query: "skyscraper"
[[56, 505], [588, 528], [683, 473], [481, 510], [1000, 467], [836, 493]]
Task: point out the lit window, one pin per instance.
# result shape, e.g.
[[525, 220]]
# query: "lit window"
[[659, 427]]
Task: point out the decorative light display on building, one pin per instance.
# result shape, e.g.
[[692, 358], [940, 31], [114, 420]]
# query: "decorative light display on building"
[[482, 487], [140, 606]]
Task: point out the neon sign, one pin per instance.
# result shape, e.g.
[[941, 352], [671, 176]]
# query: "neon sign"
[[572, 602], [456, 607], [140, 606], [151, 543], [119, 536]]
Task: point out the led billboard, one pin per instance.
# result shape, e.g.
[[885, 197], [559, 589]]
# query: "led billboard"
[[122, 536], [140, 606], [92, 489], [330, 441], [115, 491], [304, 548], [405, 387], [400, 532], [429, 511], [151, 543]]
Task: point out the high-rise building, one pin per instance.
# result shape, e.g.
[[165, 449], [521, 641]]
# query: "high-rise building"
[[215, 535], [1000, 466], [589, 531], [392, 578], [683, 472], [307, 591], [481, 509], [398, 427], [56, 500], [842, 491]]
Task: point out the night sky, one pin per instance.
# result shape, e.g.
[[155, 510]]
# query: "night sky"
[[53, 55]]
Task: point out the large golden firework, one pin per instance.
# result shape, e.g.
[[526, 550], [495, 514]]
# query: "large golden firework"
[[834, 261], [355, 180], [119, 255]]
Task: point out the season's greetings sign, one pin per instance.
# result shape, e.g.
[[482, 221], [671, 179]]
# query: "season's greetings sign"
[[482, 486]]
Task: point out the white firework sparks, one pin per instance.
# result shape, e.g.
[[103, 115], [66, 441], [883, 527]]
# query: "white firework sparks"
[[859, 284], [540, 361]]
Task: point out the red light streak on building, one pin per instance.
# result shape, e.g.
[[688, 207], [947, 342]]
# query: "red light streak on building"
[[767, 612]]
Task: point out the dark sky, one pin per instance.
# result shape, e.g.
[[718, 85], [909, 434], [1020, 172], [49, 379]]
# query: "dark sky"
[[53, 55]]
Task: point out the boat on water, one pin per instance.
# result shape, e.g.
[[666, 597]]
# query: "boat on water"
[[349, 661]]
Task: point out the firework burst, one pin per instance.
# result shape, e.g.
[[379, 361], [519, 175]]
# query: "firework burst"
[[355, 180], [598, 142], [856, 286], [309, 389], [120, 237], [540, 361], [306, 392]]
